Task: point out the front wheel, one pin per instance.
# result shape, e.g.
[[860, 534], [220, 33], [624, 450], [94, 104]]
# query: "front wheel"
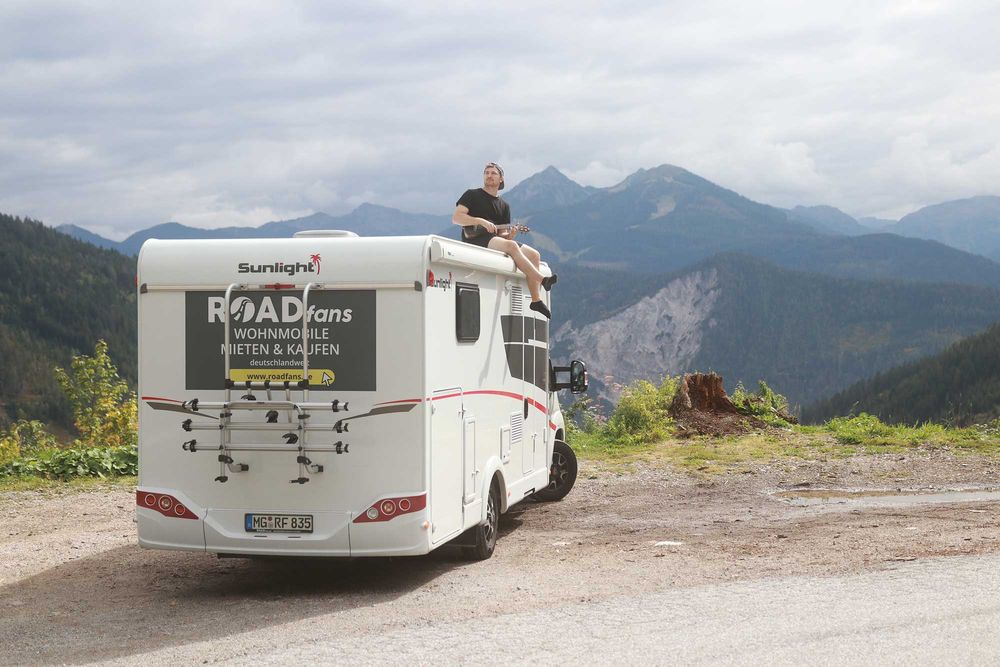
[[562, 474], [486, 534]]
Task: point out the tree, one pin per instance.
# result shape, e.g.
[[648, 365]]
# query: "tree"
[[105, 411]]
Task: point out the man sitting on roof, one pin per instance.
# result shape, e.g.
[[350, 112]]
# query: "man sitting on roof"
[[485, 221]]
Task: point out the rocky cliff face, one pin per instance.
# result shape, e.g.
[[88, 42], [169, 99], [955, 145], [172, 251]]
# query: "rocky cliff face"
[[658, 335]]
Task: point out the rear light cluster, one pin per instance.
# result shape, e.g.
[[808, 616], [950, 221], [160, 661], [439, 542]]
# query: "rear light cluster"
[[389, 508], [164, 504]]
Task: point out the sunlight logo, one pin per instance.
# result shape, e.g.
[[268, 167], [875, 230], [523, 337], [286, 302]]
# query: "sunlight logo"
[[290, 269], [443, 283]]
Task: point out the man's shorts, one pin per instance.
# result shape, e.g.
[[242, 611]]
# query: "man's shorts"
[[483, 240]]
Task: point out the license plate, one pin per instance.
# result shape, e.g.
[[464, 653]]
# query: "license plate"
[[278, 523]]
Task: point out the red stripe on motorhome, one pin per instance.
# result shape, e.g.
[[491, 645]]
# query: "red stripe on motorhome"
[[489, 392], [157, 398]]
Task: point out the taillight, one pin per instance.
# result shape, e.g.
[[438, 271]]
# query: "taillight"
[[390, 508], [164, 504]]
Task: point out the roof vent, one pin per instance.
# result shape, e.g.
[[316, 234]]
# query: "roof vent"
[[325, 233]]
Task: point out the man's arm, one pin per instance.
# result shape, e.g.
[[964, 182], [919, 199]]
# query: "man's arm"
[[462, 218]]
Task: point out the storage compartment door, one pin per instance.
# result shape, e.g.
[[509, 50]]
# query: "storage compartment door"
[[447, 463], [471, 470]]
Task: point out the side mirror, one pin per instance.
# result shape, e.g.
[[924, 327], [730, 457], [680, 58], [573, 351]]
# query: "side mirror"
[[577, 377]]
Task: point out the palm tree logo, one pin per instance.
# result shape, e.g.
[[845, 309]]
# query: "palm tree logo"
[[315, 259]]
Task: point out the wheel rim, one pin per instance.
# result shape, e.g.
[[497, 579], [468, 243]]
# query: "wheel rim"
[[490, 529], [557, 476]]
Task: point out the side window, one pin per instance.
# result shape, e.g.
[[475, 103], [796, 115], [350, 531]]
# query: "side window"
[[467, 312]]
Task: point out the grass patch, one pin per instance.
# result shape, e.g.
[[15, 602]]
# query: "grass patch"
[[713, 455], [871, 434], [640, 430]]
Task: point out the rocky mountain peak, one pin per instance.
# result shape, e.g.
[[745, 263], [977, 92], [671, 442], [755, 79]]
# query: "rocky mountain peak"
[[663, 174], [547, 189]]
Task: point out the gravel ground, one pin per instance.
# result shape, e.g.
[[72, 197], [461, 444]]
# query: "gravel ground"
[[75, 587]]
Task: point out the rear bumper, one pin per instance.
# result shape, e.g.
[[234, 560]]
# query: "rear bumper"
[[405, 535], [334, 535], [162, 532], [225, 533]]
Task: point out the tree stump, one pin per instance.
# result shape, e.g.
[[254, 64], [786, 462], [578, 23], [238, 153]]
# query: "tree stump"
[[703, 392], [702, 406]]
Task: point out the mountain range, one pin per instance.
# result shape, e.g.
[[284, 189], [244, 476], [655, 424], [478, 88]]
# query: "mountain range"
[[369, 219], [667, 271], [663, 219], [970, 224]]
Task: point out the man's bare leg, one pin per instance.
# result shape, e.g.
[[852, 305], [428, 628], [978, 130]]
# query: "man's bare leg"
[[536, 259], [532, 255], [522, 262]]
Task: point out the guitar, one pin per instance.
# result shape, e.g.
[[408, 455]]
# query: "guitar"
[[524, 229]]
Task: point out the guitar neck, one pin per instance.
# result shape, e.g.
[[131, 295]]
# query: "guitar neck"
[[524, 229]]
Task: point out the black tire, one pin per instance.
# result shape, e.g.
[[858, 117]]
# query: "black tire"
[[486, 534], [562, 473]]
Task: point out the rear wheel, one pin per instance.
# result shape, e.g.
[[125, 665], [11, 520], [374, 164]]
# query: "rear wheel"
[[486, 534], [562, 474]]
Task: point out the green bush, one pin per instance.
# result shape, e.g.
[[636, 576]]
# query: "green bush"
[[765, 404], [862, 429], [105, 411], [641, 414], [24, 437], [9, 450], [582, 415], [80, 461]]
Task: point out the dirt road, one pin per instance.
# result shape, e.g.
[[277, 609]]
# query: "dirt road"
[[74, 587]]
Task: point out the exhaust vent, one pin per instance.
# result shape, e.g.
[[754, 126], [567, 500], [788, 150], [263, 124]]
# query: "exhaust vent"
[[516, 300], [516, 427]]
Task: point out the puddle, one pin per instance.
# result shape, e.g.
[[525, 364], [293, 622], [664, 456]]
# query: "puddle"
[[884, 497]]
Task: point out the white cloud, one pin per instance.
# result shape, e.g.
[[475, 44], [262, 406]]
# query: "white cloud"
[[124, 116]]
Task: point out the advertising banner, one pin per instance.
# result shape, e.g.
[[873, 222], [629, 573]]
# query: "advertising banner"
[[265, 338]]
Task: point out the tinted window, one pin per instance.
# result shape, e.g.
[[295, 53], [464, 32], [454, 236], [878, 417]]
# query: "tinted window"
[[467, 312]]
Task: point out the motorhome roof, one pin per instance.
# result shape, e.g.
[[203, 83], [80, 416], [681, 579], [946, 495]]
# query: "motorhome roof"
[[215, 262]]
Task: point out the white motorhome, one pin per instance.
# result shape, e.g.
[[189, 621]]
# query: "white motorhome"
[[336, 395]]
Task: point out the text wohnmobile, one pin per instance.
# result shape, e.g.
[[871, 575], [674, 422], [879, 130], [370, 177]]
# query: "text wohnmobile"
[[279, 334]]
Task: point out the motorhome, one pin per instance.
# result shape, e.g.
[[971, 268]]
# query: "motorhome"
[[337, 395]]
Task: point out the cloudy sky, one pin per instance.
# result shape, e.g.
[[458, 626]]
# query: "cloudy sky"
[[118, 116]]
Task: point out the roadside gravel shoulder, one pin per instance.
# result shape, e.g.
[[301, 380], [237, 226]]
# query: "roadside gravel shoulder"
[[75, 587]]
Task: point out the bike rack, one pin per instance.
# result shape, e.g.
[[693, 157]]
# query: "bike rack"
[[295, 431]]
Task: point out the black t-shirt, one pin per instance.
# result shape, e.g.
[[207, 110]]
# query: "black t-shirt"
[[482, 204]]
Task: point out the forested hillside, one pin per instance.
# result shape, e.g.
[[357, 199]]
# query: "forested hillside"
[[58, 296], [959, 386], [807, 335], [812, 335]]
